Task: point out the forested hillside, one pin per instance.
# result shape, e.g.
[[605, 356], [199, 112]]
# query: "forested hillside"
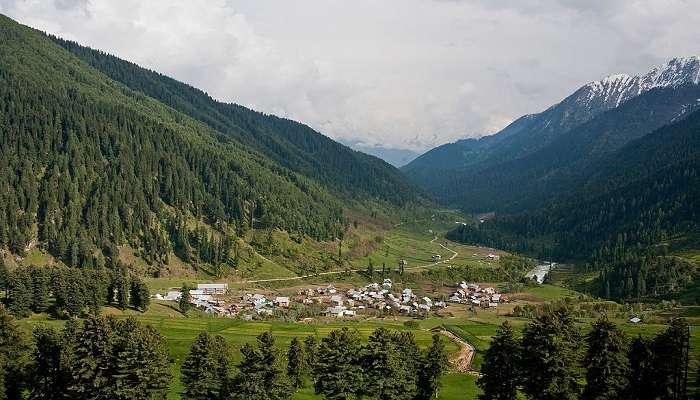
[[638, 198], [293, 145], [87, 163]]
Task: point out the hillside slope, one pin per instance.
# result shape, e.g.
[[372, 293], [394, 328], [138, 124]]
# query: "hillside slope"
[[88, 164], [476, 174], [637, 197], [293, 145]]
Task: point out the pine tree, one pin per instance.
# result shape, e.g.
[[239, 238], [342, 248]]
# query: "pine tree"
[[142, 369], [642, 377], [14, 357], [4, 275], [139, 295], [90, 361], [501, 366], [20, 301], [337, 371], [382, 366], [295, 363], [310, 347], [40, 289], [49, 378], [671, 358], [606, 362], [433, 366], [550, 357], [205, 369], [185, 298], [260, 376]]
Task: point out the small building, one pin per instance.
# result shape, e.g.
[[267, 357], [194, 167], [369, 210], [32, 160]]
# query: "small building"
[[336, 300], [213, 288], [635, 320], [281, 301]]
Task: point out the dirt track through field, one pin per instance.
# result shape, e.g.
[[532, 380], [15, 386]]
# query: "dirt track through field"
[[300, 277], [462, 360]]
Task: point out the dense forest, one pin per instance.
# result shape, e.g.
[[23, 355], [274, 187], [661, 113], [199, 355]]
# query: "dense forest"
[[293, 145], [87, 163], [639, 198]]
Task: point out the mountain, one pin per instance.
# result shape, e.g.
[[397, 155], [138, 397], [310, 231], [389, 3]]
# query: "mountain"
[[630, 209], [290, 144], [396, 157], [456, 172], [97, 153]]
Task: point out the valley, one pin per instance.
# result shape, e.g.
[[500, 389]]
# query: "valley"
[[156, 242]]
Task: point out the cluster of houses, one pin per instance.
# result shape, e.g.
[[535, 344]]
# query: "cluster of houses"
[[475, 295], [374, 296], [203, 297]]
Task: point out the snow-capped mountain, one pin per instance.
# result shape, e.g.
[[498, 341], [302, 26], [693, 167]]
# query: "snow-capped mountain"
[[613, 90], [598, 118]]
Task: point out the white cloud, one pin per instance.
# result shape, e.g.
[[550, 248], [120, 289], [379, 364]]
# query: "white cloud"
[[398, 73]]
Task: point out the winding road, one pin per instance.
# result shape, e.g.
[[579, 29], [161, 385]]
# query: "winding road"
[[300, 277]]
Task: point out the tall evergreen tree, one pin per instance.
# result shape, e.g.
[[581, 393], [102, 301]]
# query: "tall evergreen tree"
[[142, 368], [550, 357], [40, 289], [205, 370], [139, 294], [49, 379], [606, 362], [185, 298], [310, 347], [501, 367], [432, 367], [14, 357], [642, 377], [260, 376], [382, 367], [296, 363], [671, 357], [21, 290], [337, 372], [89, 361]]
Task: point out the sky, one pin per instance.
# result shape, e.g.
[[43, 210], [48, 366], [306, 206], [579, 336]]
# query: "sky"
[[392, 74]]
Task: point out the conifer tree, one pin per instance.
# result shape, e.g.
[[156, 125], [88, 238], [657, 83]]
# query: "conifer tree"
[[310, 347], [382, 366], [49, 378], [142, 368], [337, 371], [433, 365], [295, 363], [205, 369], [185, 298], [139, 294], [40, 289], [260, 376], [606, 362], [642, 377], [550, 357], [89, 361], [20, 301], [4, 275], [671, 358], [14, 357], [501, 366]]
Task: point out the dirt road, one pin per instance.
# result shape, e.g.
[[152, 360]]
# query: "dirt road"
[[462, 360]]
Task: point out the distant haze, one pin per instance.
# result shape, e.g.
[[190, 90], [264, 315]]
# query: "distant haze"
[[390, 74]]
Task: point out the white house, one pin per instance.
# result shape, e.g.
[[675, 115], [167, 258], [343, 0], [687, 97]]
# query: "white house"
[[213, 288], [281, 301]]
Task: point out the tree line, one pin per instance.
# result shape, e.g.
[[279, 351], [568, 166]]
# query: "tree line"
[[108, 358], [553, 360], [339, 367], [67, 292]]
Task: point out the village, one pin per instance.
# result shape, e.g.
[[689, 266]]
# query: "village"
[[374, 299]]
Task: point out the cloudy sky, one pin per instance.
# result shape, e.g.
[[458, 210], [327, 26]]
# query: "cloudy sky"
[[401, 74]]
